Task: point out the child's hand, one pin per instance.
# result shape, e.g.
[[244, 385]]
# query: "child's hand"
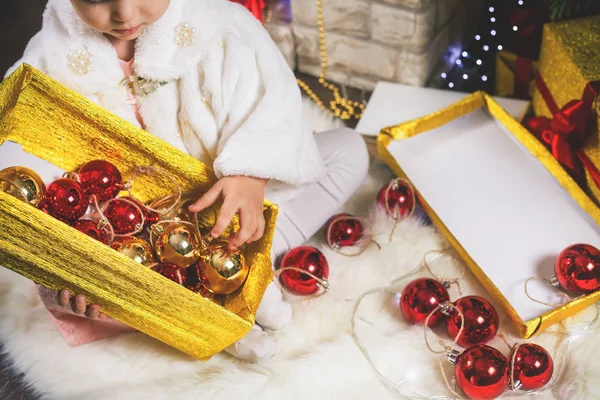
[[79, 306], [241, 194]]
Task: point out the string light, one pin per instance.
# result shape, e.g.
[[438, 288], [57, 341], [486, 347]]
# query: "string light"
[[515, 28], [465, 76], [465, 54], [444, 75], [486, 47], [479, 62], [493, 32], [451, 85], [520, 2], [458, 61], [484, 78], [477, 37], [493, 19], [491, 9], [500, 47]]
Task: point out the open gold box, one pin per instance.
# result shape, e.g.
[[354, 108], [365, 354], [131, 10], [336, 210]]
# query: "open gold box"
[[58, 125], [504, 224]]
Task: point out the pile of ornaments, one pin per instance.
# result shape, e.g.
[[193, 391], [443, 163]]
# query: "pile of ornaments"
[[480, 371], [304, 270], [163, 235]]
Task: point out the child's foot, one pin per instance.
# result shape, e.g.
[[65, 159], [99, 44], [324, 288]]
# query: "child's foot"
[[255, 346], [273, 313]]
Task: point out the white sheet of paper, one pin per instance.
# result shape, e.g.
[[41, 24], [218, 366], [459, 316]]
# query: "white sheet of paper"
[[392, 104], [12, 154], [501, 204]]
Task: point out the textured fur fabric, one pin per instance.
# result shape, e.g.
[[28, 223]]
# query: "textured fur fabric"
[[229, 98], [317, 358]]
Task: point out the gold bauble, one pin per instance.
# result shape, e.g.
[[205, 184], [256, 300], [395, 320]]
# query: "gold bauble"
[[23, 184], [179, 212], [221, 270], [176, 243], [135, 248]]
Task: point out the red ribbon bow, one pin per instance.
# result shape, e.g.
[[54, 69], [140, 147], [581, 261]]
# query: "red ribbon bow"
[[565, 133]]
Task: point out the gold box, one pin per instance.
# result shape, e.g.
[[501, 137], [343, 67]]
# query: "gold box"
[[470, 104], [62, 127]]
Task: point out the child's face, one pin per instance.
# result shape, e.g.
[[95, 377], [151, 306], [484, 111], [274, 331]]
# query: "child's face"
[[123, 19]]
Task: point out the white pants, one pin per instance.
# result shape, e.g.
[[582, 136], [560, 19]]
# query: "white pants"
[[347, 162]]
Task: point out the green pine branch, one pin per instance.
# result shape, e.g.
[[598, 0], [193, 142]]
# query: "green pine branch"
[[560, 9]]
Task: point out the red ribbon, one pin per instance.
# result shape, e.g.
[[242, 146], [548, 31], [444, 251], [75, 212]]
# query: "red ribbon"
[[256, 7], [565, 133]]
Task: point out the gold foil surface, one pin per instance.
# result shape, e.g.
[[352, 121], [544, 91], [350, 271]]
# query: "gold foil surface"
[[469, 104], [569, 60], [505, 74], [57, 124]]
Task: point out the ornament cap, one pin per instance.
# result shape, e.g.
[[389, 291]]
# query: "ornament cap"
[[517, 385], [554, 281], [446, 308], [323, 284], [452, 356]]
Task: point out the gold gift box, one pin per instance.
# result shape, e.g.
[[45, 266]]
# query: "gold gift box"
[[569, 61], [470, 104], [506, 72], [62, 127]]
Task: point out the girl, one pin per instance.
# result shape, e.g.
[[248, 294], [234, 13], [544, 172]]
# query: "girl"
[[205, 77]]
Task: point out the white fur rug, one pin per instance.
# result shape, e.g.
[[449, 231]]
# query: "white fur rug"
[[317, 358]]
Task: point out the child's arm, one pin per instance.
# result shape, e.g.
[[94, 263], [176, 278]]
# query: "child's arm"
[[262, 130]]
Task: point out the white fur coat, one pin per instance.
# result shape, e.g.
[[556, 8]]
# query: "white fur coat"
[[231, 100]]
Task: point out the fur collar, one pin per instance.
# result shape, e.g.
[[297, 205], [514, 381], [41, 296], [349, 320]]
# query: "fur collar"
[[157, 55]]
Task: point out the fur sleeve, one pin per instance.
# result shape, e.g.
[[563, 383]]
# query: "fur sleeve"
[[32, 56], [258, 107]]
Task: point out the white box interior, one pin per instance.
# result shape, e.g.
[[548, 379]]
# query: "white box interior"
[[394, 103], [501, 204]]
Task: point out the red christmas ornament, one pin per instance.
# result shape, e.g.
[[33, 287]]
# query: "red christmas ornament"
[[65, 200], [343, 230], [578, 269], [533, 367], [305, 258], [100, 178], [397, 198], [171, 271], [124, 216], [92, 229], [256, 7], [481, 372], [420, 297], [150, 217], [481, 321]]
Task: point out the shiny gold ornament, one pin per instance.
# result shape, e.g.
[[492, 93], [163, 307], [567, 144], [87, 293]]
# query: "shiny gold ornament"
[[177, 213], [176, 243], [23, 184], [135, 248], [221, 270]]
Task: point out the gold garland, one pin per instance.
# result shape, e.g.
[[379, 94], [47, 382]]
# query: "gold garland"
[[340, 106]]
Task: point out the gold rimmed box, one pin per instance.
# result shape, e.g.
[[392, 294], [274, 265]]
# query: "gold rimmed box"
[[54, 123], [501, 200]]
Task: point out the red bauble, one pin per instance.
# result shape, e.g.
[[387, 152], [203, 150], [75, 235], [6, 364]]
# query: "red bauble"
[[481, 321], [397, 198], [420, 297], [578, 268], [533, 366], [308, 259], [171, 271], [343, 230], [124, 216], [150, 217], [65, 200], [91, 229], [100, 178], [482, 372]]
